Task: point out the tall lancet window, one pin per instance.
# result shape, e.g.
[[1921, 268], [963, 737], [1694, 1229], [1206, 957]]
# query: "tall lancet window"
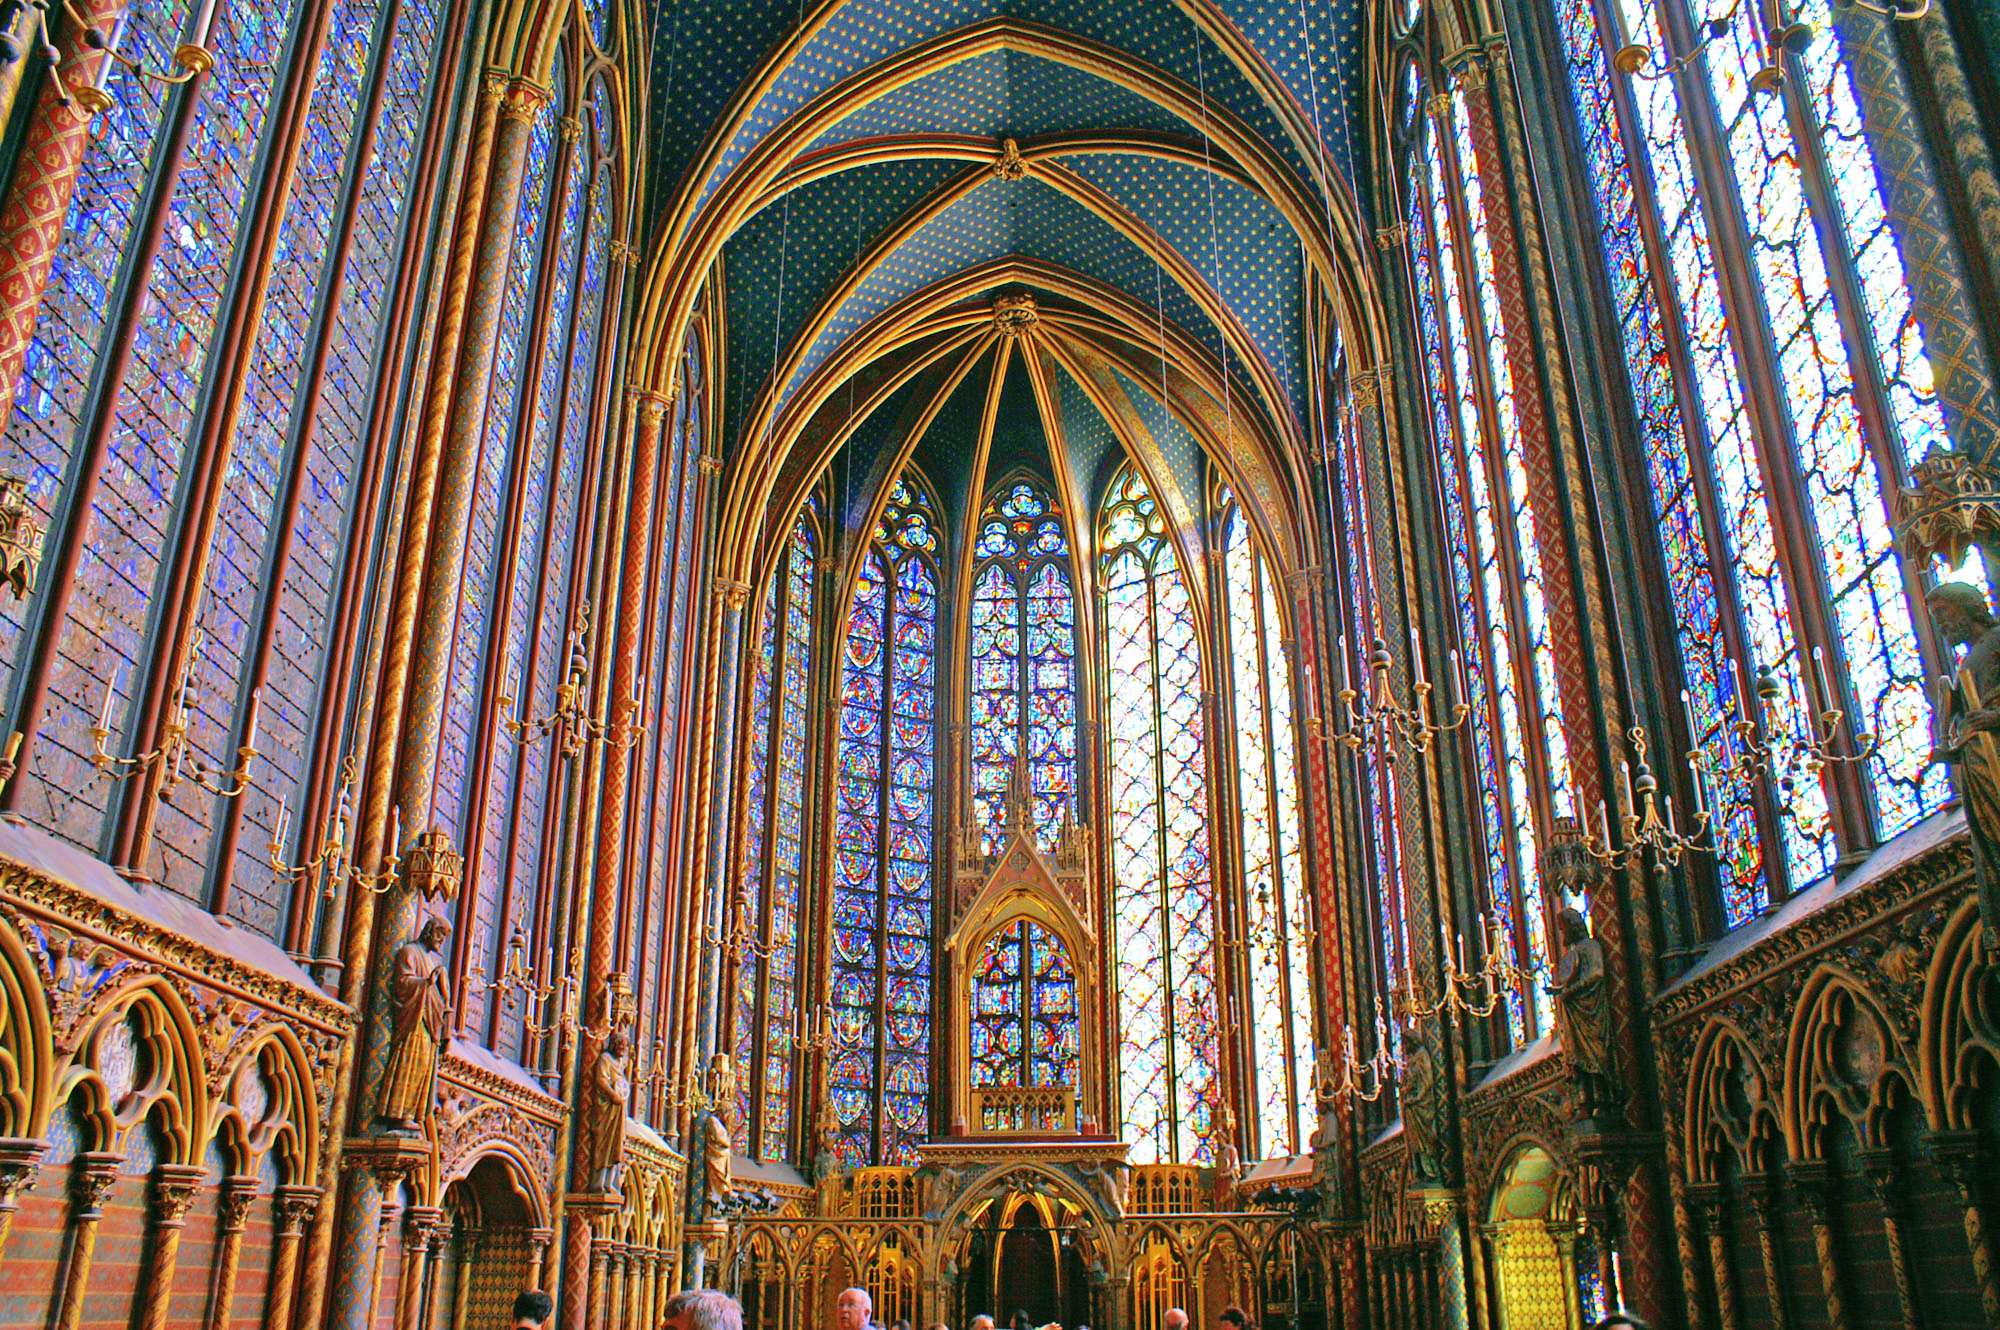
[[1280, 994], [882, 888], [1783, 271], [773, 848], [1023, 663], [1495, 551], [1162, 898]]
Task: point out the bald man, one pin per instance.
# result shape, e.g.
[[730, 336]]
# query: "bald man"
[[1175, 1319], [853, 1309], [982, 1322]]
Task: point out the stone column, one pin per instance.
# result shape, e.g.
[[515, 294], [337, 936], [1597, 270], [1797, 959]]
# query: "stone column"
[[1960, 1156], [468, 1258], [1711, 1218], [293, 1209], [1813, 1180], [1760, 1194], [539, 1241], [18, 1164], [174, 1188], [600, 1257], [95, 1174], [1880, 1166], [420, 1225], [1565, 1240], [232, 1215]]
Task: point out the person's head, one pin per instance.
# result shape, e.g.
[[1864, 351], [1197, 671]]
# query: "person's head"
[[703, 1309], [1234, 1318], [533, 1307], [1623, 1320], [853, 1309], [1175, 1319], [902, 1323], [981, 1322]]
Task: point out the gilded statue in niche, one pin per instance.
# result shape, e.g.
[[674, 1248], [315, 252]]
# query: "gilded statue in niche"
[[606, 1095], [1583, 1012], [1421, 1101], [718, 1137], [1966, 727], [419, 1008]]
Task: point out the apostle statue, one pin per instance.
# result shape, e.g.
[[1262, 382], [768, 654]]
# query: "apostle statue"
[[605, 1097], [1419, 1097], [1229, 1160], [1583, 1011], [1110, 1177], [1966, 727], [418, 1007], [826, 1159], [719, 1141]]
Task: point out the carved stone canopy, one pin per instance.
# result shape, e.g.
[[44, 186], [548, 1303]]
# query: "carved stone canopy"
[[1020, 882]]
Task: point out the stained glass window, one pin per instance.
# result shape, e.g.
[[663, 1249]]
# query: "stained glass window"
[[1162, 896], [1024, 1010], [1832, 323], [879, 1079], [1279, 999], [267, 574], [773, 853], [1508, 674], [1023, 663]]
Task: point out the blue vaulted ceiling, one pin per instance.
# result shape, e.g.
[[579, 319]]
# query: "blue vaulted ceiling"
[[1171, 154], [706, 54]]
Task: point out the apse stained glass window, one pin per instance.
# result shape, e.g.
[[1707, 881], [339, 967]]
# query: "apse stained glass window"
[[1162, 896], [1023, 692], [879, 1079], [1024, 1010], [1507, 675], [773, 853], [1834, 327], [1279, 1025]]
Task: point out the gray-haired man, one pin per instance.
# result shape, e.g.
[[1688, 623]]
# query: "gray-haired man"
[[703, 1309]]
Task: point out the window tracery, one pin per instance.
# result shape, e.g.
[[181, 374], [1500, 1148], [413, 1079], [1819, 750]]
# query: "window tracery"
[[879, 1076], [1162, 895], [773, 851], [1023, 663], [1773, 513]]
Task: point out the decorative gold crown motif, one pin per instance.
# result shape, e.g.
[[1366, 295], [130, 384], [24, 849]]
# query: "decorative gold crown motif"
[[1954, 502], [433, 867]]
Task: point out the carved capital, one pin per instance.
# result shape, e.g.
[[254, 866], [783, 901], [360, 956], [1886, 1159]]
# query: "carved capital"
[[651, 407], [621, 252], [174, 1188], [492, 85], [525, 99], [734, 594], [421, 1226], [295, 1208], [711, 465], [233, 1211], [90, 1187], [1393, 237], [1760, 1195], [1960, 1156], [390, 1159], [1706, 1200], [570, 129], [19, 1161], [1813, 1181]]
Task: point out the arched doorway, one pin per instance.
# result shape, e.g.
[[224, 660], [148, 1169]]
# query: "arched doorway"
[[1531, 1240], [1024, 1252]]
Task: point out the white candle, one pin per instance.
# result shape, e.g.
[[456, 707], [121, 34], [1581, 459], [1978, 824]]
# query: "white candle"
[[1416, 656], [395, 834], [104, 713], [1819, 672], [1604, 823], [256, 710], [1345, 685], [278, 828], [1625, 771]]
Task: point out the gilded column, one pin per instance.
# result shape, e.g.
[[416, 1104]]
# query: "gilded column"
[[232, 1216], [600, 1258], [1760, 1194], [1970, 152], [1880, 1166], [1959, 1156], [1940, 297], [539, 1241], [96, 1174], [45, 170], [293, 1209], [420, 1225], [18, 1164], [468, 1259], [173, 1194], [1712, 1221]]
